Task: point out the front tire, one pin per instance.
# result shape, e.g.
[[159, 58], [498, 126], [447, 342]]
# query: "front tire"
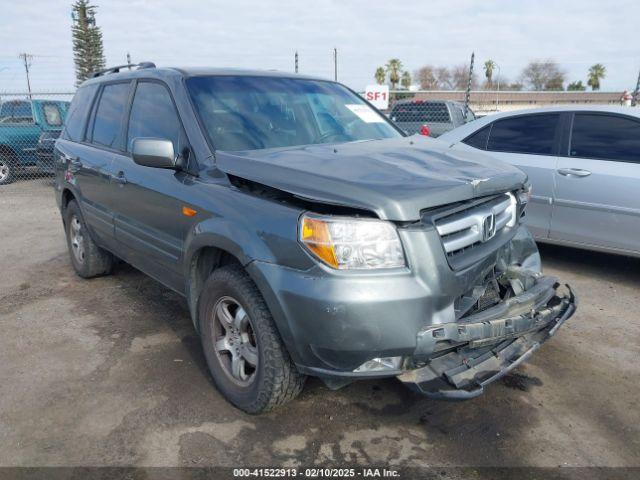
[[87, 258], [247, 359], [7, 170]]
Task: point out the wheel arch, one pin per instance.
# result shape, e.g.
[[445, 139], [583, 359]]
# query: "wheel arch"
[[66, 196], [202, 263], [205, 260], [8, 150]]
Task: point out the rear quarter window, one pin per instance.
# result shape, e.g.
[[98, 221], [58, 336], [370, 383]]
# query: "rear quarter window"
[[78, 113], [479, 138]]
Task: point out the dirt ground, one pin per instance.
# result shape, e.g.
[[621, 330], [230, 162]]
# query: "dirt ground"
[[110, 372]]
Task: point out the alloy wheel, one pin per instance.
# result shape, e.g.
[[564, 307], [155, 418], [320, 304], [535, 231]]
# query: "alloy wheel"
[[4, 170], [235, 341], [77, 239]]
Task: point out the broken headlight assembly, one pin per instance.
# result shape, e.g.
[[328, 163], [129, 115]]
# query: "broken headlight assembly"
[[523, 197], [347, 243]]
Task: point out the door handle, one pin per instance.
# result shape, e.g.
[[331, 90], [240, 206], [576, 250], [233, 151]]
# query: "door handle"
[[120, 179], [574, 172]]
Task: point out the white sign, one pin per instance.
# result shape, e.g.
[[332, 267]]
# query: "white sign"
[[378, 96], [365, 113]]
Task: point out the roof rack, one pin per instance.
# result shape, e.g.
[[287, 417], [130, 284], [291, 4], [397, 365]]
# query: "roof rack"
[[117, 68]]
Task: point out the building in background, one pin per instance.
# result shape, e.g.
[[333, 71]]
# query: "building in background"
[[484, 102]]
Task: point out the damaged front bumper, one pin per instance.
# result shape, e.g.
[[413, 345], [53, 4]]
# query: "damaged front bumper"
[[457, 360]]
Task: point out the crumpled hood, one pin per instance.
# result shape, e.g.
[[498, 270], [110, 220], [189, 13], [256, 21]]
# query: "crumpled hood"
[[395, 178]]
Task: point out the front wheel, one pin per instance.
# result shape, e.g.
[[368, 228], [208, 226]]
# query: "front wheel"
[[7, 170], [247, 359]]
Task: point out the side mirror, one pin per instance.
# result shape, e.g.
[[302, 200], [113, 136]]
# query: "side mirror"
[[154, 152]]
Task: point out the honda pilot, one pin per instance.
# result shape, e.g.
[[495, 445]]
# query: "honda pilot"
[[308, 234]]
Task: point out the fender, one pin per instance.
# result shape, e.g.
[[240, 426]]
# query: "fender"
[[230, 236], [225, 235], [249, 248]]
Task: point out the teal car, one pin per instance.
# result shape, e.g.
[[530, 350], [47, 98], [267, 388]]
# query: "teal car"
[[28, 129]]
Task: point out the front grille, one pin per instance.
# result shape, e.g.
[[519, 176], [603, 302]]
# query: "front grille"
[[465, 229]]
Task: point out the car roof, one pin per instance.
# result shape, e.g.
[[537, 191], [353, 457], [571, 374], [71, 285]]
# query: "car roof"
[[462, 132], [569, 108], [186, 72], [422, 102]]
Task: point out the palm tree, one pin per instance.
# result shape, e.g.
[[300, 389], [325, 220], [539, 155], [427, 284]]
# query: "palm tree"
[[489, 66], [405, 80], [393, 68], [596, 73], [576, 86], [380, 75]]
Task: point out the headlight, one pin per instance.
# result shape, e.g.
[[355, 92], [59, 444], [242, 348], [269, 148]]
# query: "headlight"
[[351, 243]]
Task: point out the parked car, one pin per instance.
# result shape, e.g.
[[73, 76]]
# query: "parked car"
[[438, 116], [26, 130], [583, 164], [307, 233]]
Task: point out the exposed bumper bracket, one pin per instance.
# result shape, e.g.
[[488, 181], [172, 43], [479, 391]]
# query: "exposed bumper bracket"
[[463, 373]]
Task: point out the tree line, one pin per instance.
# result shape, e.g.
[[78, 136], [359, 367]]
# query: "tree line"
[[538, 75]]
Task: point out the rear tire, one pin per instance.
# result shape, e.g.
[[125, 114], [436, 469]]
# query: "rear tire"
[[87, 258], [247, 359]]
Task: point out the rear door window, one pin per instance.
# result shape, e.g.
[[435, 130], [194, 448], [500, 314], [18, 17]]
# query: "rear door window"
[[608, 137], [533, 134], [107, 126]]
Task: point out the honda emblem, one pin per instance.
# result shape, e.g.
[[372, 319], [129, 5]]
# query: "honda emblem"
[[488, 227]]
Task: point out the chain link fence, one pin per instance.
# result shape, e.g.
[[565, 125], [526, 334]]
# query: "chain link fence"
[[29, 126]]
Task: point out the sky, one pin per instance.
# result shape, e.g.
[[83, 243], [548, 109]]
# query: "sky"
[[265, 35]]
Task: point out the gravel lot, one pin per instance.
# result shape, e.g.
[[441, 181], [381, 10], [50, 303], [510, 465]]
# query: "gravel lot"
[[110, 372]]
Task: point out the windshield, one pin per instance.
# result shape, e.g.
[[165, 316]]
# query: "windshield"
[[253, 113]]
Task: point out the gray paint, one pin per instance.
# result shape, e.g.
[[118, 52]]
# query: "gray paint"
[[395, 178]]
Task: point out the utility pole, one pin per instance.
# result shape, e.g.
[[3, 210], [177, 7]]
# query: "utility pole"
[[636, 92], [335, 64], [296, 61], [468, 95], [498, 92], [128, 60], [26, 58]]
